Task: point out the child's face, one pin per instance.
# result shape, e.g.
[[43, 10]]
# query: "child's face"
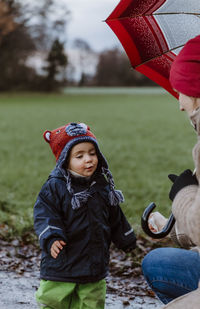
[[83, 159]]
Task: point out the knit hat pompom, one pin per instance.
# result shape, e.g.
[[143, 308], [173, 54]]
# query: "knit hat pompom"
[[185, 70], [61, 141]]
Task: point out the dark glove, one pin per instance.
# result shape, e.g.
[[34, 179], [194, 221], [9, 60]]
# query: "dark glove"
[[179, 182]]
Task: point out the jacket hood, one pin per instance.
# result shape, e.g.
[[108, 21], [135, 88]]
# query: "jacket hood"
[[62, 161], [80, 198]]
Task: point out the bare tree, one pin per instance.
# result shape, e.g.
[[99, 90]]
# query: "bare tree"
[[48, 20], [15, 46], [114, 69], [86, 59], [26, 27]]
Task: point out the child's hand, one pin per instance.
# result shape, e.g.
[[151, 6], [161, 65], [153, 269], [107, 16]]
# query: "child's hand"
[[57, 247]]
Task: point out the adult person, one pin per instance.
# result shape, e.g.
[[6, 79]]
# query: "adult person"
[[174, 273]]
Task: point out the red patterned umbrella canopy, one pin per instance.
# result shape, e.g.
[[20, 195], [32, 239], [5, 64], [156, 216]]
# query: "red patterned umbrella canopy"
[[153, 32]]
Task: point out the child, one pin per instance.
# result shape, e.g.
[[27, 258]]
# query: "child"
[[76, 216]]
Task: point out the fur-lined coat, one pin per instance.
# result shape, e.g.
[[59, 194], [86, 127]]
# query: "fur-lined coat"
[[186, 210]]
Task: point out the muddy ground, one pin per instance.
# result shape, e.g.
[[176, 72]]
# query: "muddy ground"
[[126, 288]]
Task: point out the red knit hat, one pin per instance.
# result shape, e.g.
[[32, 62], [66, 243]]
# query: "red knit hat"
[[59, 137], [185, 70]]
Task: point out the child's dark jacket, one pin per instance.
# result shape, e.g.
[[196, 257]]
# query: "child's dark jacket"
[[87, 231]]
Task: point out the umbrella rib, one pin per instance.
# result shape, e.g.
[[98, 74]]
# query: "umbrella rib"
[[158, 56], [174, 13], [146, 15]]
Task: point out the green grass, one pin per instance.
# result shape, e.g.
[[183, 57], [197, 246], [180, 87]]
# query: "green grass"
[[144, 138]]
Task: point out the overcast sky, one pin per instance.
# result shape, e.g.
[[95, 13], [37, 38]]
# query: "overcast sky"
[[87, 22]]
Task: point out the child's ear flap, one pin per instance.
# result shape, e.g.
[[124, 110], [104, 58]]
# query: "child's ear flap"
[[47, 136]]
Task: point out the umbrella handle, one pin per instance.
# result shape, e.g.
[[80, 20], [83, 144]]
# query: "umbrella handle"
[[144, 223]]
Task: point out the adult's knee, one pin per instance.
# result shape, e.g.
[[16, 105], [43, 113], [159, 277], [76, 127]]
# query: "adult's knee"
[[151, 262]]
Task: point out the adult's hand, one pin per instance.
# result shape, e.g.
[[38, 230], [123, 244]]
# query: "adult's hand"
[[156, 221], [179, 182]]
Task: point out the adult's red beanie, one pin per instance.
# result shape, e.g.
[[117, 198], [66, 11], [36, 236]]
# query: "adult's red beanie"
[[185, 70]]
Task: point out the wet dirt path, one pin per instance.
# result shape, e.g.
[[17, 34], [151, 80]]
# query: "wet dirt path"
[[17, 292], [19, 279]]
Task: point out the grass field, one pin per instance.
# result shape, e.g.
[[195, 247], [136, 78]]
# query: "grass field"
[[144, 138]]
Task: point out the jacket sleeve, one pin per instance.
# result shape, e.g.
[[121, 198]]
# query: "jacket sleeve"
[[186, 210], [179, 238], [122, 234], [47, 214]]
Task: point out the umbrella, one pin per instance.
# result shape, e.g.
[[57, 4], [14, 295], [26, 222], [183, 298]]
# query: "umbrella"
[[153, 32]]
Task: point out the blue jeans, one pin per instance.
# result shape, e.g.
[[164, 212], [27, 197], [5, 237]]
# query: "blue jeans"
[[171, 272]]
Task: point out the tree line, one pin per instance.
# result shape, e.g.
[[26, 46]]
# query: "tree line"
[[28, 29]]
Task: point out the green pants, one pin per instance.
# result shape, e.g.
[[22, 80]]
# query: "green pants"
[[68, 295]]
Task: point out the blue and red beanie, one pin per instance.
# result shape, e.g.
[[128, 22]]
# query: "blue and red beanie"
[[61, 141], [70, 134]]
